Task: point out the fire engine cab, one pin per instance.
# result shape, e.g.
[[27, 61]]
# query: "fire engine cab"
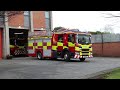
[[65, 44]]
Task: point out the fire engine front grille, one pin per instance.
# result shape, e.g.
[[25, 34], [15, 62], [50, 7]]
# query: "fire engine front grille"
[[85, 49], [85, 55], [85, 52]]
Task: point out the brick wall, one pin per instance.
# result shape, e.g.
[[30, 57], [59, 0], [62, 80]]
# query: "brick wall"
[[109, 49], [16, 20], [97, 49], [39, 19]]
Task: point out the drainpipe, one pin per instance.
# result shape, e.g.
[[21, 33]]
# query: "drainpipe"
[[31, 21], [51, 21], [102, 43]]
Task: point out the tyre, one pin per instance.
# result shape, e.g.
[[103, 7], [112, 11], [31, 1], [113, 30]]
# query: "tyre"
[[82, 59], [39, 56], [66, 56]]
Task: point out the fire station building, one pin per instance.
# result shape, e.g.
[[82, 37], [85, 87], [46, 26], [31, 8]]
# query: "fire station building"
[[18, 27]]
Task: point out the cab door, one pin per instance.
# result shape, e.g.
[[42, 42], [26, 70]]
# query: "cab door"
[[71, 42], [60, 43]]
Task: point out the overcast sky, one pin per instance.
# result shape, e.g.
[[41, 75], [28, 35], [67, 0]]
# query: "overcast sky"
[[86, 20]]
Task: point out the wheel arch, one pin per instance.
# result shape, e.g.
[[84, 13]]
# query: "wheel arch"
[[39, 51], [65, 50]]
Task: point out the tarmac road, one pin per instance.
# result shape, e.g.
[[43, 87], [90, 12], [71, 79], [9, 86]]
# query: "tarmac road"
[[31, 68]]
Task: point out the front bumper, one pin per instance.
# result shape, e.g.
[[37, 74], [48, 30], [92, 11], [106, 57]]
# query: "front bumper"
[[77, 55]]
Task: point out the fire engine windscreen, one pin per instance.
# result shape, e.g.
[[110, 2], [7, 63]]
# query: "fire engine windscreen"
[[83, 39]]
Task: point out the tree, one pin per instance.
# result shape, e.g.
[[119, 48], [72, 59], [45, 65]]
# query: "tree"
[[110, 15], [108, 29], [96, 32], [115, 19]]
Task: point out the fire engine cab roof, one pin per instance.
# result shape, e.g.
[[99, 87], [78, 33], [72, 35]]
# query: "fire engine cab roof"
[[71, 31]]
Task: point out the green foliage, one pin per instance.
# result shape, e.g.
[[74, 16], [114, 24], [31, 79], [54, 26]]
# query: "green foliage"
[[115, 74], [98, 32]]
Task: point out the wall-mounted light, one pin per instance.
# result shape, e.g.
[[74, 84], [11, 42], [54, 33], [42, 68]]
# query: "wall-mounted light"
[[19, 27], [42, 28], [19, 33]]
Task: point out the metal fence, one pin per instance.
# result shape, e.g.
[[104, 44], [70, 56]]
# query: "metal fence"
[[105, 38]]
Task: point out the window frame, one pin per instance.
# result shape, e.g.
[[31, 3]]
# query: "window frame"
[[60, 36]]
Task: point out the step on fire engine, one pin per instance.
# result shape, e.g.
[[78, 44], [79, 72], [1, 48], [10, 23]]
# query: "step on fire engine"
[[65, 44]]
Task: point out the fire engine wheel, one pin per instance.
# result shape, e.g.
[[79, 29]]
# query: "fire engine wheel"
[[82, 59], [67, 56], [39, 55]]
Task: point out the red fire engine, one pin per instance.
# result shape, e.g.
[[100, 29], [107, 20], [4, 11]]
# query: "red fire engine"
[[17, 46], [65, 44]]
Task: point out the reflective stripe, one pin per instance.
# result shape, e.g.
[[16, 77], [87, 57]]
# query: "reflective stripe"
[[65, 47], [21, 46], [48, 43], [12, 46], [30, 44], [35, 47], [20, 51], [70, 44], [31, 38], [54, 47], [85, 46], [40, 44], [77, 49], [77, 56], [59, 44], [80, 53], [44, 47]]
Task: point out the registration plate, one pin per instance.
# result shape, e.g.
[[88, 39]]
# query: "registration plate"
[[85, 56]]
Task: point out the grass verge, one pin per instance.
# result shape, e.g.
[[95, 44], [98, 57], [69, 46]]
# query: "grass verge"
[[114, 74]]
